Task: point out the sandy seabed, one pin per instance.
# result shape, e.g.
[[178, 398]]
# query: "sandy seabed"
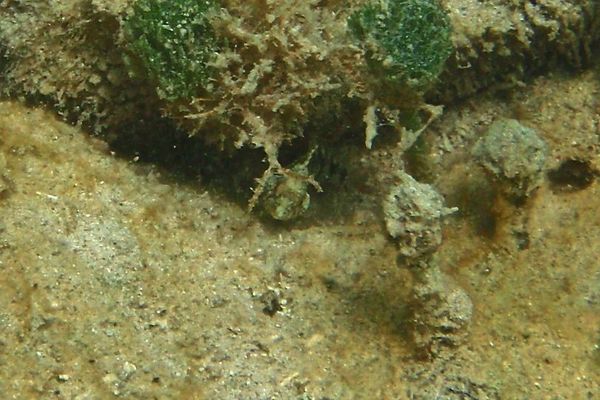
[[118, 280]]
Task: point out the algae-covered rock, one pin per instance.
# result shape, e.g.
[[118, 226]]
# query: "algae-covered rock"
[[264, 75], [174, 43], [408, 41], [514, 154], [252, 74], [66, 54], [442, 310], [413, 216], [503, 42]]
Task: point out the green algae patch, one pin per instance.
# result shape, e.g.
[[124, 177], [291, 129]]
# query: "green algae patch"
[[173, 43], [407, 41]]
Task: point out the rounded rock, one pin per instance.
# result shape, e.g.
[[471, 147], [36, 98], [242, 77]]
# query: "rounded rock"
[[413, 214], [514, 155]]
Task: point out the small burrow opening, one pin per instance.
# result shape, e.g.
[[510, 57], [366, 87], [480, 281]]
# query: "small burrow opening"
[[572, 175]]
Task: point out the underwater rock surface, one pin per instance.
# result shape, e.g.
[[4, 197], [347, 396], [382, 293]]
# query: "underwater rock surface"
[[131, 268]]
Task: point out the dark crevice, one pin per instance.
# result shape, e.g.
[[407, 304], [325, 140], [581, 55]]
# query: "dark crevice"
[[572, 175]]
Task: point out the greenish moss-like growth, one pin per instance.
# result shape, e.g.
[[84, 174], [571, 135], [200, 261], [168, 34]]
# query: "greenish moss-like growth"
[[174, 42], [407, 40]]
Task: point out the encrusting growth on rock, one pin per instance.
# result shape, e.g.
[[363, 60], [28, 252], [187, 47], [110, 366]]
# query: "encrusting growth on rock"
[[171, 44], [514, 155], [442, 310], [413, 216], [254, 74]]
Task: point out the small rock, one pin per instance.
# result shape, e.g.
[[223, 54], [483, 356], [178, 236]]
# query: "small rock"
[[515, 156], [413, 214], [442, 312]]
